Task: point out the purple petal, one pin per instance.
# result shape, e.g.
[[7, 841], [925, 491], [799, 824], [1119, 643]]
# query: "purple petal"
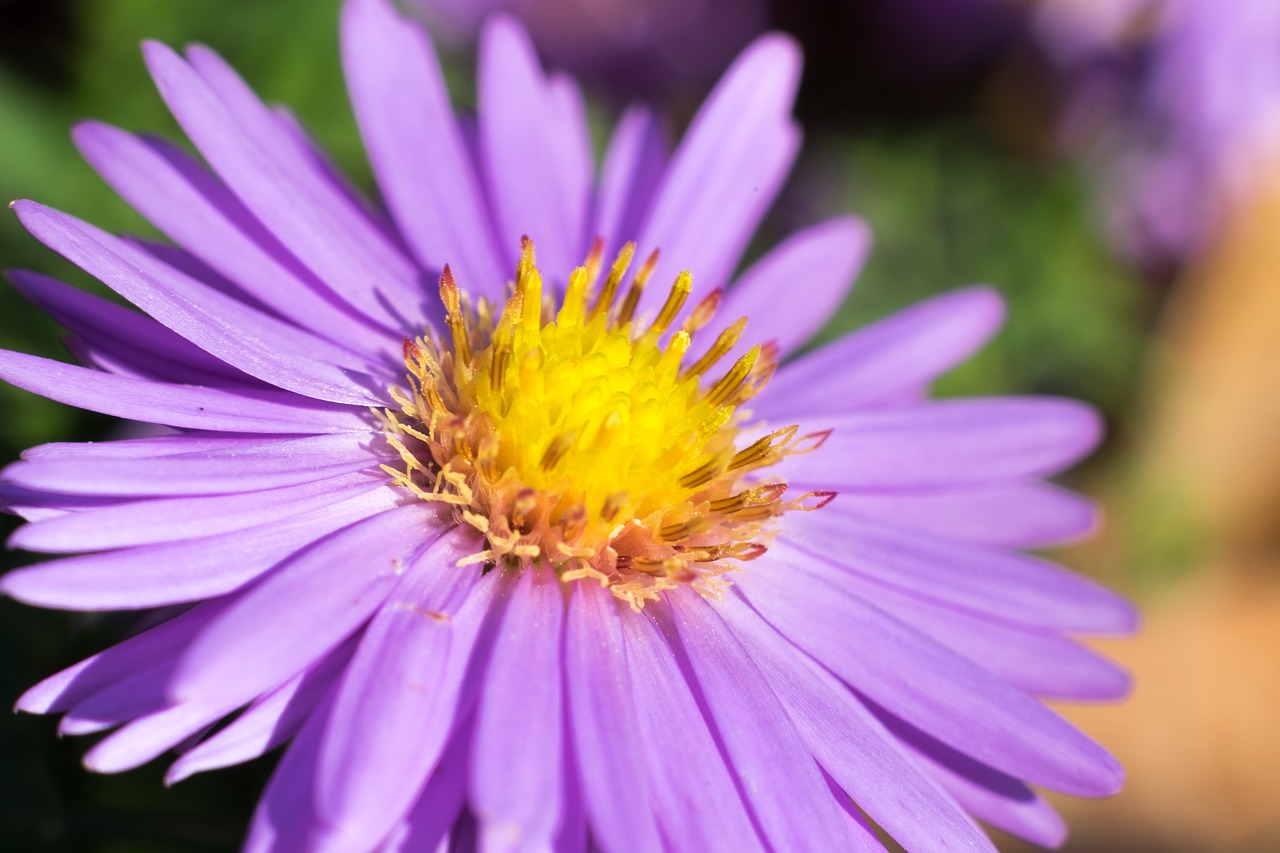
[[536, 187], [260, 345], [947, 443], [602, 719], [1010, 515], [885, 360], [633, 164], [439, 805], [268, 722], [401, 102], [1031, 658], [985, 793], [168, 520], [152, 446], [186, 570], [197, 211], [304, 609], [407, 674], [1021, 589], [148, 736], [129, 339], [778, 776], [188, 406], [150, 651], [515, 769], [941, 692], [572, 153], [261, 162], [182, 465], [573, 834], [792, 292], [662, 697], [728, 168], [852, 745], [285, 819], [33, 505]]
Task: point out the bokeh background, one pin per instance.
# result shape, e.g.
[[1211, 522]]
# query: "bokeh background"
[[1109, 165]]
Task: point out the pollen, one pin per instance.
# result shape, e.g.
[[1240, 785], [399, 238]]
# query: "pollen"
[[578, 438]]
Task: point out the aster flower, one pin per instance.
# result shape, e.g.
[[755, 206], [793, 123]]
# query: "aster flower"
[[514, 546], [633, 46], [1190, 103]]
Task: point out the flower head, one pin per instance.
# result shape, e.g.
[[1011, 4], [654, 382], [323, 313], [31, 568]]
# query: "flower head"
[[520, 535]]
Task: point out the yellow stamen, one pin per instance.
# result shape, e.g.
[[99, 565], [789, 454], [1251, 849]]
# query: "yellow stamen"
[[566, 438]]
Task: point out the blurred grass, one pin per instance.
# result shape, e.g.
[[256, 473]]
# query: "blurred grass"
[[948, 209], [947, 204]]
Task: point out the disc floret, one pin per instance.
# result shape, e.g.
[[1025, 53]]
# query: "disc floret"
[[573, 438]]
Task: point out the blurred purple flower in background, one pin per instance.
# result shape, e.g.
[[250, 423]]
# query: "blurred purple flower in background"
[[635, 47], [1186, 94], [527, 580]]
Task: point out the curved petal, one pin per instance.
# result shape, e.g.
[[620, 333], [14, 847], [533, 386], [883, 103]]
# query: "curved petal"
[[791, 292], [944, 694], [304, 609], [249, 149], [147, 737], [128, 338], [538, 187], [133, 523], [662, 694], [185, 570], [852, 745], [270, 721], [633, 163], [415, 146], [1020, 589], [882, 362], [151, 651], [197, 211], [1033, 659], [987, 794], [188, 406], [516, 777], [1008, 515], [726, 171], [285, 817], [407, 675], [780, 781], [439, 806], [947, 443], [183, 465], [602, 715], [272, 350]]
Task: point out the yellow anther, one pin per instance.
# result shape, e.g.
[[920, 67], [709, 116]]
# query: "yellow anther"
[[704, 311], [453, 316], [574, 307], [726, 341], [531, 299], [620, 265], [675, 301], [729, 384], [629, 305]]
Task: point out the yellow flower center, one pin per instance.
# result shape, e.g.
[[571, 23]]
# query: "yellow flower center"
[[577, 440]]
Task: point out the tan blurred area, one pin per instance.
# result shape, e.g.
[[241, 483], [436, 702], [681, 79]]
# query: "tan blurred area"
[[1194, 535]]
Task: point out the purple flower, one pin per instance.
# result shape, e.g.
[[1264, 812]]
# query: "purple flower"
[[1190, 111], [544, 562], [632, 46]]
